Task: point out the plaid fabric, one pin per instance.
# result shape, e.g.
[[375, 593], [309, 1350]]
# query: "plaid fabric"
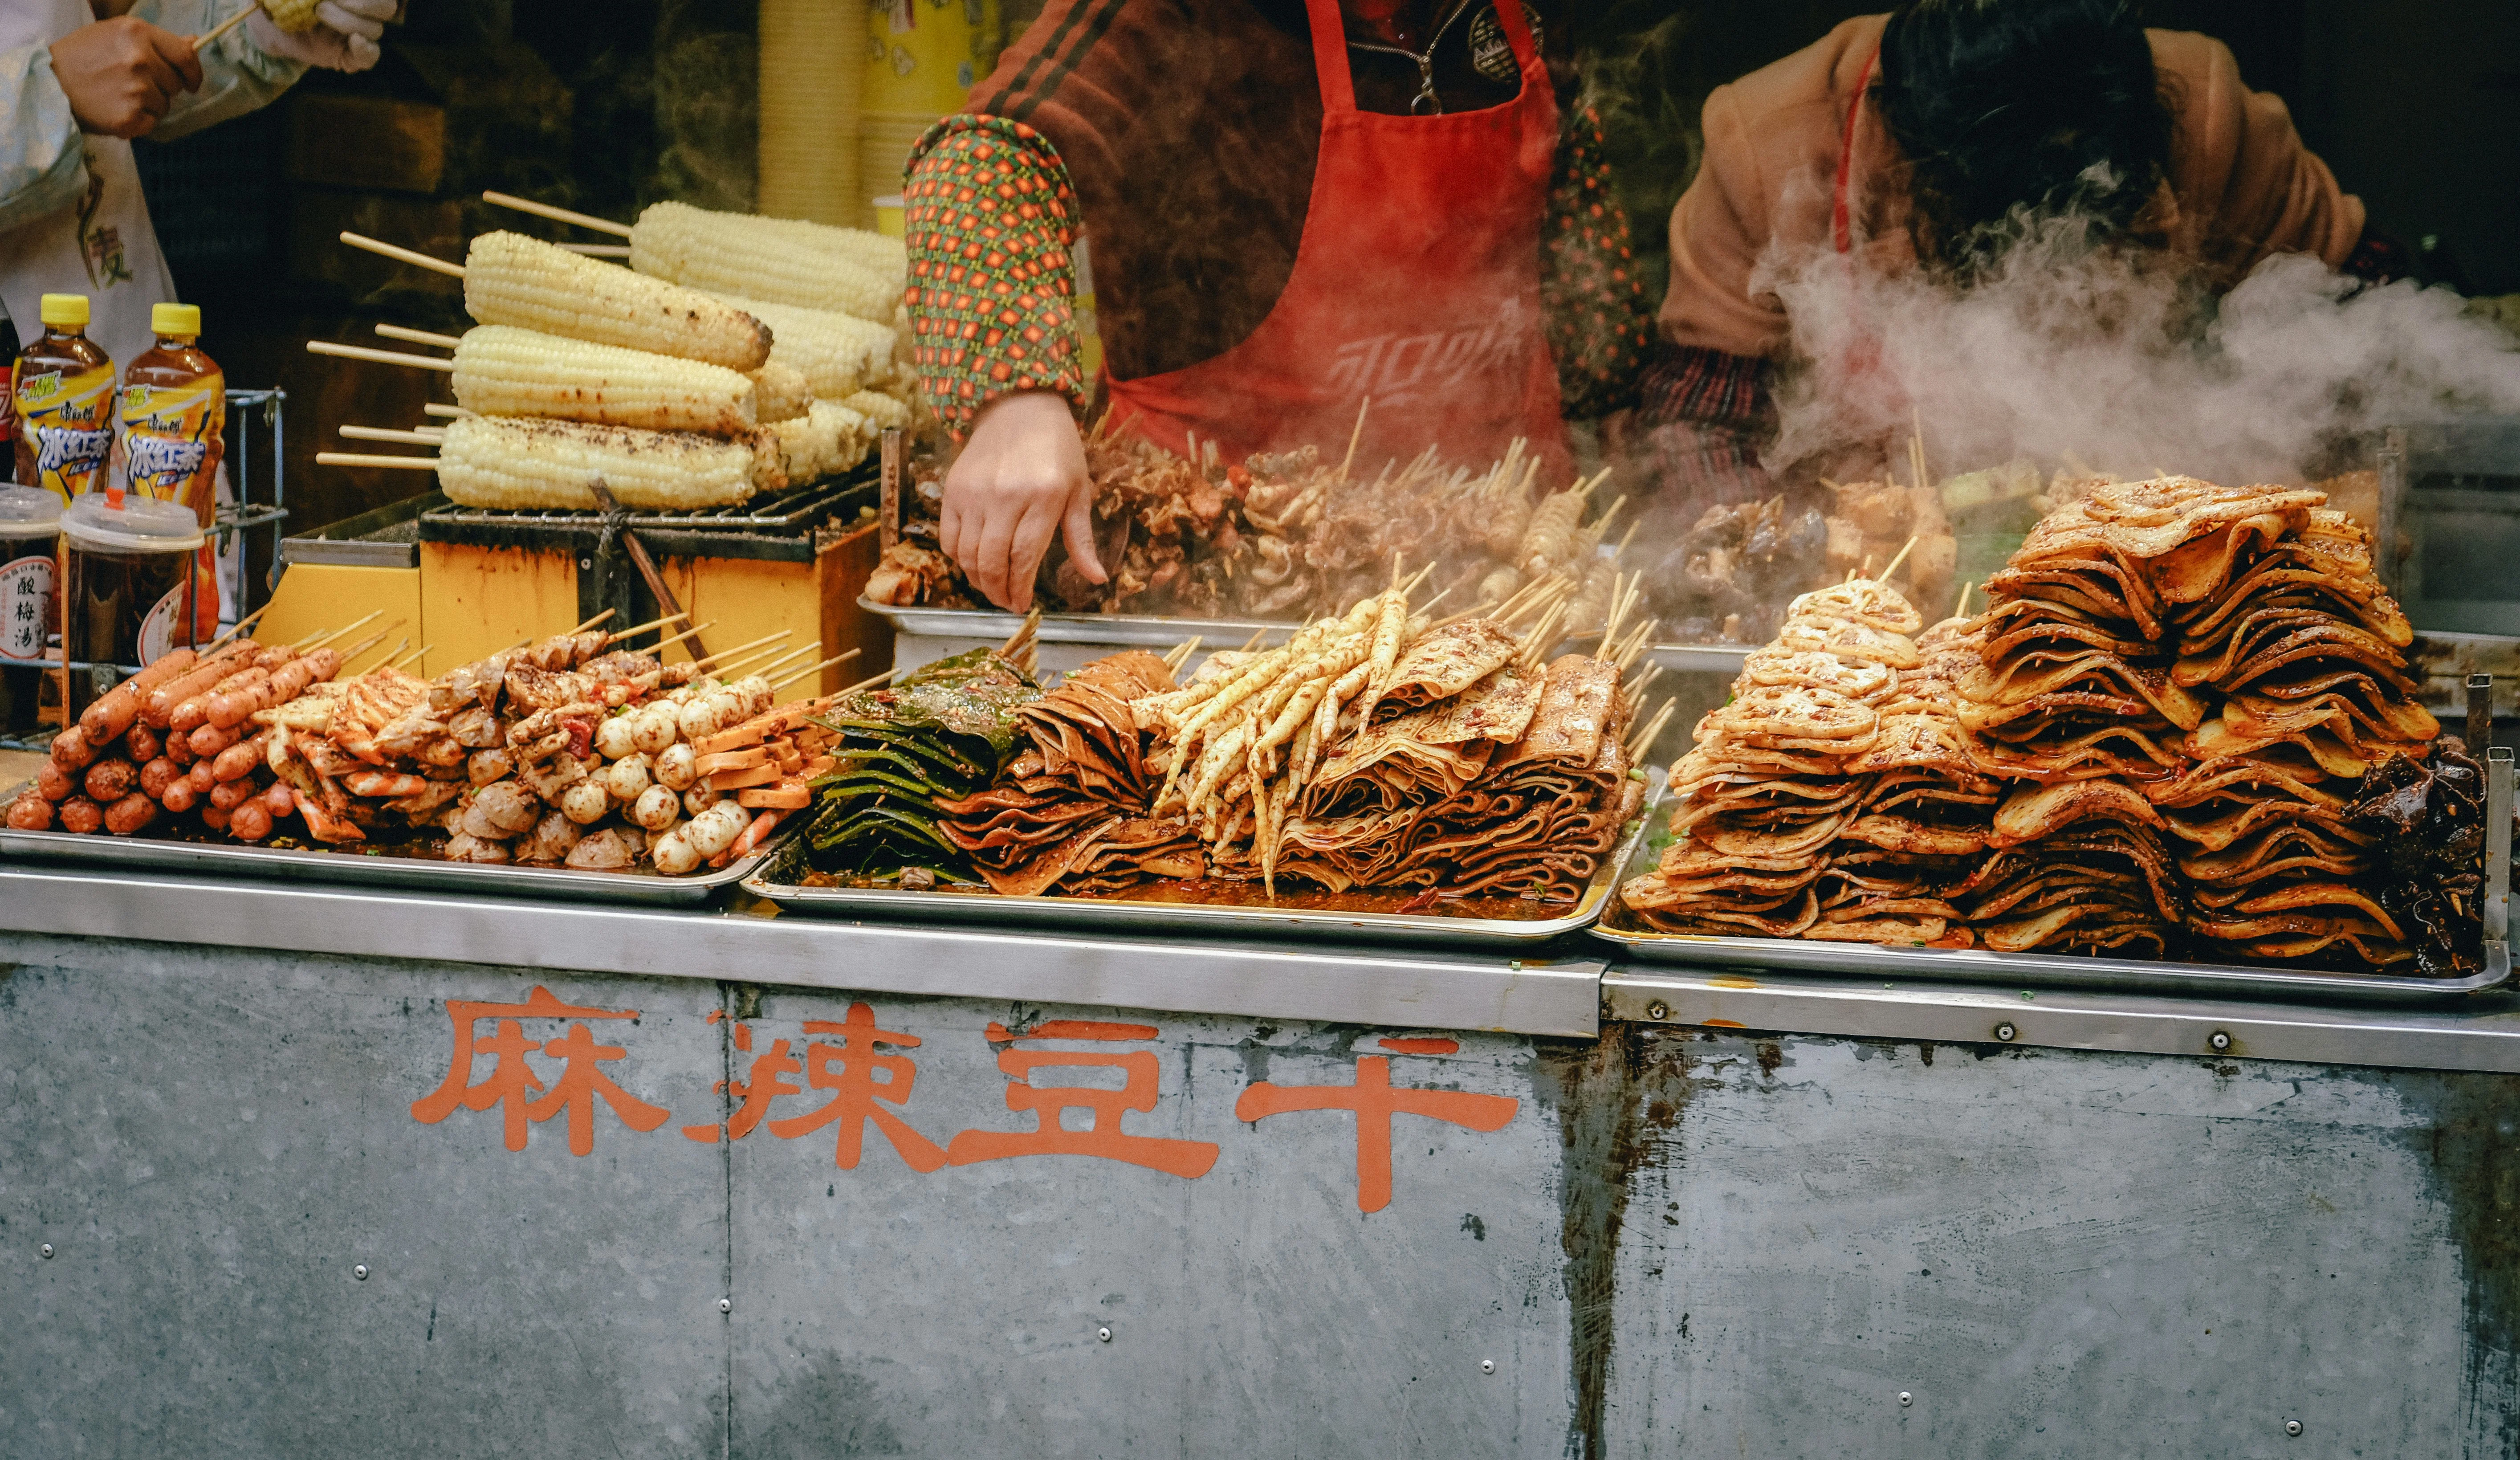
[[1688, 383], [990, 217]]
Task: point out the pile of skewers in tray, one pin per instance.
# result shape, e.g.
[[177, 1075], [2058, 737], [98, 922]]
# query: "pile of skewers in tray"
[[733, 356], [1379, 751], [575, 749]]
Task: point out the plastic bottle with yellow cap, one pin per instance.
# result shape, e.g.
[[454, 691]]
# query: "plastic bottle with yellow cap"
[[174, 414], [63, 383]]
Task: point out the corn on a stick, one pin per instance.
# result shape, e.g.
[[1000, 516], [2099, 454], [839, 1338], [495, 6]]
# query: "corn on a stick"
[[510, 279], [501, 370], [827, 439], [780, 392], [838, 354], [777, 260], [513, 463], [885, 412]]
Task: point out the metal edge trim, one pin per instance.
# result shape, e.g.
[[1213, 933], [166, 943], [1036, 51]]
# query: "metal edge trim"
[[1377, 987], [2089, 1021]]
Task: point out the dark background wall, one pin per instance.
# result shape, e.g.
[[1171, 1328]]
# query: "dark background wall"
[[610, 106]]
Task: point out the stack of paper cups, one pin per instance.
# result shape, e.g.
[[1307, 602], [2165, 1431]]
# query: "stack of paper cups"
[[812, 67]]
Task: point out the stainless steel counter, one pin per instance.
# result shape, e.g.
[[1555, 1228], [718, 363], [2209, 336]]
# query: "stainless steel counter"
[[1568, 994], [1381, 985]]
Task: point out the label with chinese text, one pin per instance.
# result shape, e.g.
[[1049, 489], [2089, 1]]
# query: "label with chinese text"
[[65, 419], [172, 441], [25, 606]]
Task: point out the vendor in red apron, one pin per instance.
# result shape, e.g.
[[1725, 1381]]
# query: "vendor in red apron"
[[1924, 137], [79, 81], [1294, 206]]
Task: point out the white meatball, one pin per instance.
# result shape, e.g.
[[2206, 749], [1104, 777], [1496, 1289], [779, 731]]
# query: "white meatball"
[[586, 801], [757, 694], [616, 736], [714, 830], [626, 777], [700, 798], [675, 856], [699, 717], [678, 767], [655, 728], [655, 808]]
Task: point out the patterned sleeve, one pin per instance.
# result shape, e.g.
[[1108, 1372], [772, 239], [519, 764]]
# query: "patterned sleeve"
[[1599, 322], [991, 219]]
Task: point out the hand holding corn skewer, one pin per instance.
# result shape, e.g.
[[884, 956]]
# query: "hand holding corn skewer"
[[339, 35]]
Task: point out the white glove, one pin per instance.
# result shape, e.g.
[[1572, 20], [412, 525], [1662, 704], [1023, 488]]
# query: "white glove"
[[344, 37]]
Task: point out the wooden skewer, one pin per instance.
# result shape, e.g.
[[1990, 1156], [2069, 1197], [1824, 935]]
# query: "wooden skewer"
[[1901, 558], [241, 626], [1022, 635], [379, 357], [444, 412], [418, 336], [868, 684], [556, 214], [389, 659], [588, 624], [771, 665], [416, 654], [692, 632], [222, 28], [382, 433], [810, 672], [1355, 436], [740, 648], [369, 642], [364, 459], [1182, 651], [320, 640], [600, 250], [621, 634], [1960, 610], [401, 255]]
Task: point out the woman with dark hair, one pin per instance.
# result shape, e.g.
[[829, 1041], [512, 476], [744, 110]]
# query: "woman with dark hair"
[[1934, 136]]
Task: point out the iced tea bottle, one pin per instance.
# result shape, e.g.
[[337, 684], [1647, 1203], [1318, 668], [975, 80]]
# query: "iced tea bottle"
[[174, 414], [64, 399]]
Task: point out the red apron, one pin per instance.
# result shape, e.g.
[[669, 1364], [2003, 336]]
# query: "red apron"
[[1416, 287]]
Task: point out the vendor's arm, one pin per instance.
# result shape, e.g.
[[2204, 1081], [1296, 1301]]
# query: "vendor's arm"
[[990, 221], [42, 167], [1598, 319]]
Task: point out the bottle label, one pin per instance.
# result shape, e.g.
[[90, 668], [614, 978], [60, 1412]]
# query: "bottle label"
[[66, 418], [157, 631], [171, 439], [26, 607]]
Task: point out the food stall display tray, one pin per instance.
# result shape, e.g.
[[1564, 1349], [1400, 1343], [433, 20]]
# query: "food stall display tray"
[[1121, 915], [1063, 641], [400, 873], [2068, 971]]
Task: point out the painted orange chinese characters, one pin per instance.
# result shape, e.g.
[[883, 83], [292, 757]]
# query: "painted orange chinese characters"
[[581, 1081], [766, 1086], [1374, 1100], [847, 1069], [1103, 1136]]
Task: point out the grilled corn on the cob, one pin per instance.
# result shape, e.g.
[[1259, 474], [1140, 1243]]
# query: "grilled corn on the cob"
[[512, 463], [780, 392], [510, 279], [501, 370], [882, 412], [296, 17], [838, 354], [731, 254], [827, 439]]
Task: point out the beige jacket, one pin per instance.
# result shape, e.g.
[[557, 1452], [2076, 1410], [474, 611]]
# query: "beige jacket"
[[2241, 185]]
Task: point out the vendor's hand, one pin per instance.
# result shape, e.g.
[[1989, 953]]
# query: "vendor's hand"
[[344, 39], [1020, 477], [122, 74]]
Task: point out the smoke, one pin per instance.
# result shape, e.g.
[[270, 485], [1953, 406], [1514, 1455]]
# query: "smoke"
[[2122, 364]]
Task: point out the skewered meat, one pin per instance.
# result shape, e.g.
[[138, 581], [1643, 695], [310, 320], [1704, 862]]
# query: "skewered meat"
[[552, 840], [609, 850]]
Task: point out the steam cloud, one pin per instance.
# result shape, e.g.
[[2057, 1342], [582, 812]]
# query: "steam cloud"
[[2066, 357]]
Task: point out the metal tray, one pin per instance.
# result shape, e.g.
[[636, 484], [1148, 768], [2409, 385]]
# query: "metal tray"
[[1063, 641], [402, 874], [1700, 659], [1117, 915], [2058, 970]]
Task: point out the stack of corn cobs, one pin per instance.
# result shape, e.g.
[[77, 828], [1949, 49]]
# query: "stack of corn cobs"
[[565, 751], [737, 356]]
